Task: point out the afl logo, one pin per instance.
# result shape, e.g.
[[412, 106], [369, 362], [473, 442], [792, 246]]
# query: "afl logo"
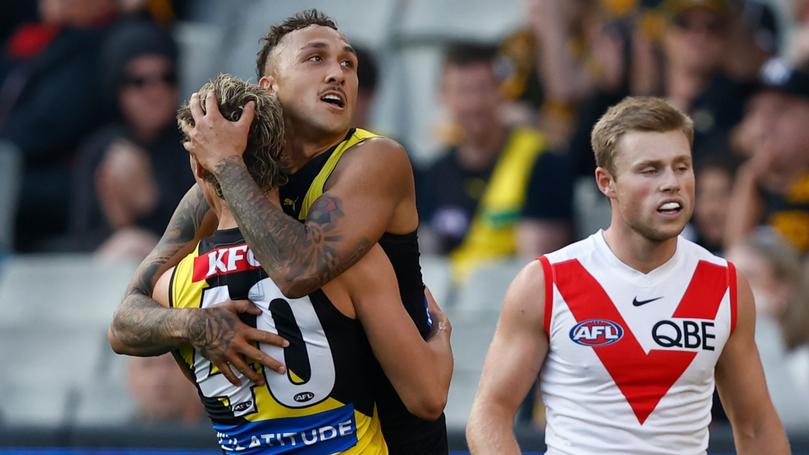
[[596, 332], [304, 397]]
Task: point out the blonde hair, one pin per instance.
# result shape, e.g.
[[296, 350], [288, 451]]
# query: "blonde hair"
[[265, 140], [635, 114]]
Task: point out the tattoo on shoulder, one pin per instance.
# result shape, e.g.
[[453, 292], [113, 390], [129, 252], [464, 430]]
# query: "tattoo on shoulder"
[[325, 210]]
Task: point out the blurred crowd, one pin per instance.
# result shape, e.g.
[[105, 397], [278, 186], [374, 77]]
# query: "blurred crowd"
[[91, 159]]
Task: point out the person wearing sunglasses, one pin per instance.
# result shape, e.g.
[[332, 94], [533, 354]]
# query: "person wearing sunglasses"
[[131, 174]]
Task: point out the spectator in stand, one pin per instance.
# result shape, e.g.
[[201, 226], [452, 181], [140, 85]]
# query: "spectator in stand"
[[473, 195], [368, 76], [754, 39], [163, 12], [161, 392], [714, 182], [49, 99], [550, 63], [773, 270], [132, 173], [772, 186]]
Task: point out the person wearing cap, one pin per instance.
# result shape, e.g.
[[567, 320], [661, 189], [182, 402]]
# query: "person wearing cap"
[[772, 186], [132, 173]]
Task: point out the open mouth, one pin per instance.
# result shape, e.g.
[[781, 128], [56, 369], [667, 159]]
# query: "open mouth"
[[333, 99], [670, 208]]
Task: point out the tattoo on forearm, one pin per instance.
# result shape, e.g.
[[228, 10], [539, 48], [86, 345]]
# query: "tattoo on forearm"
[[182, 228], [306, 254], [211, 334], [140, 323]]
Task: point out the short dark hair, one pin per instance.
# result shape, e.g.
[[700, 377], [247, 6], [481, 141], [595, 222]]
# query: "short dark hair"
[[265, 140], [463, 53], [300, 20]]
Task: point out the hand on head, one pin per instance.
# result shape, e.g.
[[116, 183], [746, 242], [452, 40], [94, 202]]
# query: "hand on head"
[[213, 139]]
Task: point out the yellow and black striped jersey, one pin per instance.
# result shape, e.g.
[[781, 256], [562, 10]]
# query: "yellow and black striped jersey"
[[323, 404]]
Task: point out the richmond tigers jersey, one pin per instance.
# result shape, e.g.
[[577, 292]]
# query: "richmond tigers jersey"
[[405, 433], [322, 405], [631, 357]]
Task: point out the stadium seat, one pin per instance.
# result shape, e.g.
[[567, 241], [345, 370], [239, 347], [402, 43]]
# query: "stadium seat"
[[461, 395], [198, 45], [45, 351], [437, 275], [68, 290], [10, 172], [38, 403], [591, 208], [480, 297], [460, 18]]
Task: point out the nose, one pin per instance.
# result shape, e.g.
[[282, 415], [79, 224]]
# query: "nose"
[[335, 73], [670, 182]]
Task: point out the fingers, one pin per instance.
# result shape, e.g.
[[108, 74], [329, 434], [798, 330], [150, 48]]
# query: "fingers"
[[267, 338], [196, 108], [211, 106], [247, 370], [261, 357], [248, 114], [246, 306], [224, 368]]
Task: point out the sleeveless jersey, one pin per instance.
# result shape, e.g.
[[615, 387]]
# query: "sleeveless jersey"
[[405, 433], [631, 358], [322, 404]]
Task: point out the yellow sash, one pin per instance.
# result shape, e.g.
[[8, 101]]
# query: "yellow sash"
[[316, 188], [491, 234]]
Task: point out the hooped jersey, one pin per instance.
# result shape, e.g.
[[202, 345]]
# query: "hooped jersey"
[[631, 357], [323, 404]]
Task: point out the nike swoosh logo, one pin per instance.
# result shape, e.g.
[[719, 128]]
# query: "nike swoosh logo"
[[637, 302]]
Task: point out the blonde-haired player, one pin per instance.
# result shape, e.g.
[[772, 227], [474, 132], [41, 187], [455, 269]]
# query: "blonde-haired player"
[[630, 329]]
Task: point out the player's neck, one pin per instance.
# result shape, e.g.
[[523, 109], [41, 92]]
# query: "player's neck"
[[637, 251], [301, 148], [224, 215]]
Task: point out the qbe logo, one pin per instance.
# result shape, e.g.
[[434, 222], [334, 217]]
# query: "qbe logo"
[[596, 332]]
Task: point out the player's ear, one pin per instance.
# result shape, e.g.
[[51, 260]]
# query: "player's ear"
[[268, 81], [605, 182], [197, 169]]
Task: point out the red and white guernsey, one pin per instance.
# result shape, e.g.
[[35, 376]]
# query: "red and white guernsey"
[[630, 364]]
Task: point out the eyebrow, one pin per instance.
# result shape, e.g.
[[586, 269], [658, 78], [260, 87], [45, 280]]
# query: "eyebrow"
[[678, 159], [323, 45]]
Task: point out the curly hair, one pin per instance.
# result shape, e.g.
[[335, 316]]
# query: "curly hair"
[[265, 140], [300, 20]]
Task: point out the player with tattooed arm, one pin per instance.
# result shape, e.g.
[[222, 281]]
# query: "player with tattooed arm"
[[348, 190]]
